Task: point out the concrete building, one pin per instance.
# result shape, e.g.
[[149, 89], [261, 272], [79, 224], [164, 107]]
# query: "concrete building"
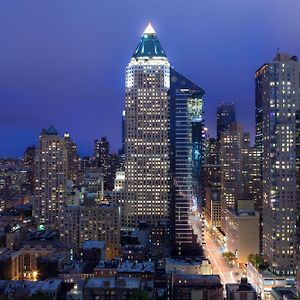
[[263, 281], [188, 266], [94, 183], [49, 266], [284, 293], [92, 252], [251, 172], [74, 162], [23, 289], [107, 268], [105, 161], [240, 291], [145, 271], [277, 100], [213, 209], [51, 174], [147, 161], [231, 167], [298, 197], [91, 221], [242, 233], [137, 253], [190, 287], [225, 117], [110, 288]]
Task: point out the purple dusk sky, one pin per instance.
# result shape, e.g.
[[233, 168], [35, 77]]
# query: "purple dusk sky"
[[62, 61]]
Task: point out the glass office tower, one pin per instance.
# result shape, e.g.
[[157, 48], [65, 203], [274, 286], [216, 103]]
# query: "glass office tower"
[[186, 142]]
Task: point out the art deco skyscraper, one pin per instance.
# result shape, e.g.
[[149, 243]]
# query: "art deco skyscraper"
[[277, 102], [147, 159], [51, 176]]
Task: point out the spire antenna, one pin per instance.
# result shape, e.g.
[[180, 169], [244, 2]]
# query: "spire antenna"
[[149, 29]]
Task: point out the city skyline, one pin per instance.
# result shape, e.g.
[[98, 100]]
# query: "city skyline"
[[66, 56], [179, 181]]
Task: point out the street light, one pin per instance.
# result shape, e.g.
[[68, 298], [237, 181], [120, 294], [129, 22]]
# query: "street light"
[[34, 275]]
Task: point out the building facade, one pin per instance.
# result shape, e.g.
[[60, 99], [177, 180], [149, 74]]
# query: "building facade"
[[80, 223], [225, 117], [51, 174], [231, 167], [186, 126], [278, 98], [147, 159]]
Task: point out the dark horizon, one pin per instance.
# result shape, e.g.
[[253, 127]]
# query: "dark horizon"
[[63, 62]]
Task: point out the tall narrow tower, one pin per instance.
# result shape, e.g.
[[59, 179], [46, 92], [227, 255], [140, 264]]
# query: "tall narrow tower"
[[51, 174], [277, 101], [147, 159], [186, 126]]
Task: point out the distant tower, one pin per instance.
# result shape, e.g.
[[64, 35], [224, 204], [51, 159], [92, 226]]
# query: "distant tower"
[[225, 117], [231, 167], [51, 176], [277, 100], [147, 161], [186, 145], [298, 196], [29, 163], [73, 159], [101, 150]]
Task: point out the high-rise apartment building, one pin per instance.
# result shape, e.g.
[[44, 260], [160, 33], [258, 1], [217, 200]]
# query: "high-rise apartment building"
[[29, 163], [101, 150], [251, 172], [231, 167], [90, 221], [147, 159], [277, 100], [225, 117], [186, 144], [105, 162], [51, 174], [298, 196], [74, 163]]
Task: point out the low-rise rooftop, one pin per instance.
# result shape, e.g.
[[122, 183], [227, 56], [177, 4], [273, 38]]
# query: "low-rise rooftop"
[[136, 267], [91, 244]]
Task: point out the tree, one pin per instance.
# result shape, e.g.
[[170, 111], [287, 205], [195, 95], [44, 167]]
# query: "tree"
[[229, 256], [258, 261]]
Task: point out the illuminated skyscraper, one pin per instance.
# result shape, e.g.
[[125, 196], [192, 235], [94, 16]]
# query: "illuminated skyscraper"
[[231, 167], [225, 117], [147, 159], [186, 127], [278, 100], [51, 176], [298, 196]]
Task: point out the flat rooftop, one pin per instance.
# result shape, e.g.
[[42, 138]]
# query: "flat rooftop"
[[91, 244]]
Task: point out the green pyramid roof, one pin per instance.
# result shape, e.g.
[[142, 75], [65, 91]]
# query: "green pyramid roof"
[[52, 131], [149, 45]]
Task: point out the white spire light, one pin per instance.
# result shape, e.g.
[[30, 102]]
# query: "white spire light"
[[149, 29]]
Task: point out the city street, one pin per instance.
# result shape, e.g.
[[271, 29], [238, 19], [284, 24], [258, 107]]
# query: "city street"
[[213, 251]]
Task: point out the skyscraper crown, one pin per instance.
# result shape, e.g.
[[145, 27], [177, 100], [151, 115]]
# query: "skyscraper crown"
[[149, 45]]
